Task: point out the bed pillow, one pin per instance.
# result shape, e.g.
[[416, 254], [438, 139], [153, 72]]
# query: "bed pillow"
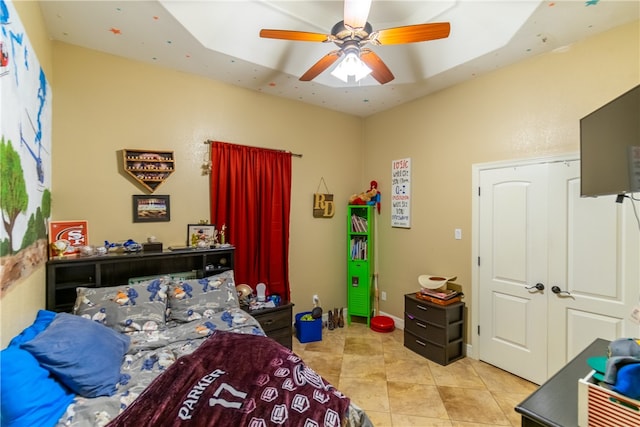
[[126, 308], [30, 395], [197, 298], [43, 319], [84, 355]]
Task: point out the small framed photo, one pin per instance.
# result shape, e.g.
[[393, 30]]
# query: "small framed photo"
[[201, 235], [67, 237], [151, 208]]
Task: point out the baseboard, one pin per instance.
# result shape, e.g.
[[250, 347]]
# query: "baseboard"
[[398, 323]]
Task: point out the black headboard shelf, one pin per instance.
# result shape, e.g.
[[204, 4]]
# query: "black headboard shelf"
[[67, 273]]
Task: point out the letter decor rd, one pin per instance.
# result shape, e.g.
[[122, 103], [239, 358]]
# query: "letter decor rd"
[[323, 206]]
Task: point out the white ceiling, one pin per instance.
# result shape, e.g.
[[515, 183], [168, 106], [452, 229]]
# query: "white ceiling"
[[219, 39]]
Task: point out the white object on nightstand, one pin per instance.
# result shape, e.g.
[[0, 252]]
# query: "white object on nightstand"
[[260, 290]]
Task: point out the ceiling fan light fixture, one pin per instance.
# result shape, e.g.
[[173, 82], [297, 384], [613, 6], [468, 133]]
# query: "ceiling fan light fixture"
[[351, 65], [351, 35], [356, 12]]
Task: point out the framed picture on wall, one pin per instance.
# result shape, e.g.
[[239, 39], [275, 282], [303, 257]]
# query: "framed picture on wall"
[[151, 208], [204, 235], [67, 237]]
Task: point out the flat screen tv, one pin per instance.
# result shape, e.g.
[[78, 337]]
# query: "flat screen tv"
[[610, 147]]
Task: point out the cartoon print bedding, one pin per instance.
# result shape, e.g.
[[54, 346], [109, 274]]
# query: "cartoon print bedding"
[[172, 352], [150, 354], [223, 374]]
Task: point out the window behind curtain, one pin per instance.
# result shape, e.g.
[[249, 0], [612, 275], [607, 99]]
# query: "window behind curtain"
[[250, 193]]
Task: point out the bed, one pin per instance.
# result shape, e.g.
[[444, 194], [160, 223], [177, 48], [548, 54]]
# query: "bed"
[[162, 352]]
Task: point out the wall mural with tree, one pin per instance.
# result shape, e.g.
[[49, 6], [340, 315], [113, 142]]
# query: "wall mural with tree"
[[25, 153]]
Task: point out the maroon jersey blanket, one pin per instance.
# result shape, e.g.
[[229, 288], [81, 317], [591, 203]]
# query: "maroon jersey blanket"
[[237, 380]]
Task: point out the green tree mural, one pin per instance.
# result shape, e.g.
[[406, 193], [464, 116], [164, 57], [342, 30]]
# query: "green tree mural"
[[13, 190], [37, 226], [45, 210]]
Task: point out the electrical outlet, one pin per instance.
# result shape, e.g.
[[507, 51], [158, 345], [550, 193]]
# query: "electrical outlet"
[[383, 296]]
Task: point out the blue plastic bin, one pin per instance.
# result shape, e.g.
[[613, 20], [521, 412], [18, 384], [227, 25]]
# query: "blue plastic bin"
[[308, 330]]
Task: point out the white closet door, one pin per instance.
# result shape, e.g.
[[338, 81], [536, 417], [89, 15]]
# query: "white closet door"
[[594, 259], [513, 259], [535, 228]]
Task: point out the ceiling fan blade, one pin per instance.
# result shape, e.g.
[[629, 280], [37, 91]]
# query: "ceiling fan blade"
[[411, 33], [324, 63], [379, 69], [301, 36]]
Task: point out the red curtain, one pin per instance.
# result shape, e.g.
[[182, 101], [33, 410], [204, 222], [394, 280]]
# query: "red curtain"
[[251, 195]]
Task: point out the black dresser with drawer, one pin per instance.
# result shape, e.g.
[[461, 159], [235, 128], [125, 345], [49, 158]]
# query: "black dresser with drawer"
[[434, 331]]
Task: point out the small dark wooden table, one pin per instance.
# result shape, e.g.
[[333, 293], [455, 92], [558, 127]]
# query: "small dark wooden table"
[[555, 403], [276, 322]]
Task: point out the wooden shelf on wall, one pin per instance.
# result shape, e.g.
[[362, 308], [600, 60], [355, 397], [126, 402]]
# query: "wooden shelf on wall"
[[149, 168]]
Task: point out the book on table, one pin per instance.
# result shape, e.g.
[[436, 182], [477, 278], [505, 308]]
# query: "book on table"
[[439, 293], [438, 301]]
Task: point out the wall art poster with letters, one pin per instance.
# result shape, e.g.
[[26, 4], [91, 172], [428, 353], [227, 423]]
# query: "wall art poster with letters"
[[401, 193]]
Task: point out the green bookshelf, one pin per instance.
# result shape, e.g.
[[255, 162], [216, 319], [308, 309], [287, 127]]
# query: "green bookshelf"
[[360, 257]]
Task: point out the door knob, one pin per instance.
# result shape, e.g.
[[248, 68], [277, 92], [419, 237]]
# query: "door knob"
[[538, 286], [557, 290]]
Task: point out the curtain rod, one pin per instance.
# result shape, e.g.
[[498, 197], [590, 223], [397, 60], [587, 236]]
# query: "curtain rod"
[[209, 141]]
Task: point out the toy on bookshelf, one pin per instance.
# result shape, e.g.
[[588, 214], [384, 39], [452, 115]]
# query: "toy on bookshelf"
[[370, 197]]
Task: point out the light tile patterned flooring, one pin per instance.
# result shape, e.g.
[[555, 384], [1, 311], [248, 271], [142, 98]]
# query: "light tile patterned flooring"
[[397, 387]]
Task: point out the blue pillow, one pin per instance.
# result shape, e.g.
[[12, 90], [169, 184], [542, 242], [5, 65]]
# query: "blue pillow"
[[43, 319], [84, 355], [29, 395]]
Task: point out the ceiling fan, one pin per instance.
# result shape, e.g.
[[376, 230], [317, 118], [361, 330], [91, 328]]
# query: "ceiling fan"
[[351, 34]]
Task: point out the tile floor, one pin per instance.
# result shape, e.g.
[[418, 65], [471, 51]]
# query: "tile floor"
[[397, 387]]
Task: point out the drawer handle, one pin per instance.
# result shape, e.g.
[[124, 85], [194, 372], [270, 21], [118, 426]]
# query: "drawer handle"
[[421, 343], [421, 307], [268, 322], [422, 325]]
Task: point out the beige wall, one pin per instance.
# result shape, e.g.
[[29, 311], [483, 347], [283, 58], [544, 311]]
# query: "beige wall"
[[102, 104], [531, 109]]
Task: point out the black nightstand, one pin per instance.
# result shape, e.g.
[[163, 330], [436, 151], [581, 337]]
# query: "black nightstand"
[[276, 322]]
